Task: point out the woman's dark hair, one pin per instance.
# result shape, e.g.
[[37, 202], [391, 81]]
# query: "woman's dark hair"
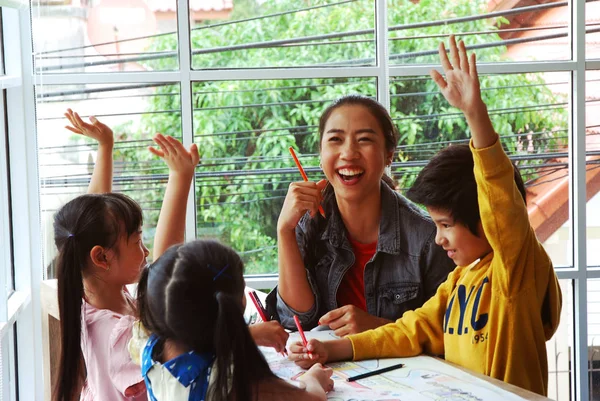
[[193, 295], [86, 221], [447, 182], [311, 250]]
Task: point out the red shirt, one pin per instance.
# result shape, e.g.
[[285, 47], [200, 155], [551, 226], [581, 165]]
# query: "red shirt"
[[352, 287]]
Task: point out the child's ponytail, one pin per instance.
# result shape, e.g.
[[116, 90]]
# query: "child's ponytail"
[[239, 363], [70, 295]]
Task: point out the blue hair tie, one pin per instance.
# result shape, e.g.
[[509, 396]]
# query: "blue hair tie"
[[219, 273]]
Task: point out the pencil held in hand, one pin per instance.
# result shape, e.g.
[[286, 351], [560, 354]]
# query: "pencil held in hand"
[[302, 336], [303, 174]]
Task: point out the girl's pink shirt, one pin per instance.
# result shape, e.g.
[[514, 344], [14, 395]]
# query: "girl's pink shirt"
[[110, 370]]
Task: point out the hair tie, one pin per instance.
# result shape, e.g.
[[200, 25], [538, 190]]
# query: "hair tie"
[[70, 235], [219, 273]]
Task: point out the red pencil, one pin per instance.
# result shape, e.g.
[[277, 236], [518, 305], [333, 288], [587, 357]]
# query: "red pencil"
[[297, 321], [303, 174], [258, 305], [262, 312]]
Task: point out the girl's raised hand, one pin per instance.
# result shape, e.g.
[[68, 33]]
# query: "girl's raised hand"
[[96, 130], [461, 86], [178, 159]]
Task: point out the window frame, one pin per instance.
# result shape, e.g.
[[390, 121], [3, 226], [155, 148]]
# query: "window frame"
[[579, 273], [20, 331]]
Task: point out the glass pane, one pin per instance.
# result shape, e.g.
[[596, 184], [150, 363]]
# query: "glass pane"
[[528, 111], [286, 33], [243, 130], [592, 143], [593, 305], [2, 70], [559, 348], [3, 360], [66, 160], [7, 213], [104, 36], [500, 30], [592, 28]]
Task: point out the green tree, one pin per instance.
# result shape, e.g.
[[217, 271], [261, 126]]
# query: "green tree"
[[245, 126]]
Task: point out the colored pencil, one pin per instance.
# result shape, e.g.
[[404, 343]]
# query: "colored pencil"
[[259, 306], [375, 372], [302, 336], [262, 312]]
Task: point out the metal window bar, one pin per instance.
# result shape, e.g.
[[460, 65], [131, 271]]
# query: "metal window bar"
[[273, 43]]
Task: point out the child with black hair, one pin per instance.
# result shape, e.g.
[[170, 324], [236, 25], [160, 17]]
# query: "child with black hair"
[[99, 240], [192, 299], [501, 304]]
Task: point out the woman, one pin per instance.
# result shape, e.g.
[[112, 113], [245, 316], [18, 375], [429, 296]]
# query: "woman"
[[373, 256]]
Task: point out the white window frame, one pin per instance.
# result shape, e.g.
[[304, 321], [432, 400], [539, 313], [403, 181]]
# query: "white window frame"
[[22, 308], [25, 178]]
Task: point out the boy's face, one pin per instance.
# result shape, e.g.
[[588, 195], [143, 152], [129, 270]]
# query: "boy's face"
[[462, 245]]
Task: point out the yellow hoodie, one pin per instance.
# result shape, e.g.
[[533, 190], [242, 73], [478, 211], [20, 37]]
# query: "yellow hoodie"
[[495, 315]]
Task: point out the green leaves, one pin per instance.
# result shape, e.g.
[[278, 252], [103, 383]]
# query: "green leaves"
[[246, 126]]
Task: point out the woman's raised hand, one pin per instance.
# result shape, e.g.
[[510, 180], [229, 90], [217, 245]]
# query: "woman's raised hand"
[[301, 197]]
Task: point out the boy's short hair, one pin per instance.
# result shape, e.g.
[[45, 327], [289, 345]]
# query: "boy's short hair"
[[447, 182]]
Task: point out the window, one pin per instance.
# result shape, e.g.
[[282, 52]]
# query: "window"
[[19, 302], [7, 227], [246, 79], [592, 30], [106, 36], [66, 160], [287, 34]]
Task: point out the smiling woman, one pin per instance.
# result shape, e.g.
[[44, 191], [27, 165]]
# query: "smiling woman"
[[373, 257]]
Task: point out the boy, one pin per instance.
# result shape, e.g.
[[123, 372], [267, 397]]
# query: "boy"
[[501, 304]]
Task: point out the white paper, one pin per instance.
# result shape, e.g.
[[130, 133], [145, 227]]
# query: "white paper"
[[421, 378]]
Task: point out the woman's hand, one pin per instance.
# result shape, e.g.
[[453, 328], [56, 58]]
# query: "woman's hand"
[[301, 197], [96, 130], [349, 319]]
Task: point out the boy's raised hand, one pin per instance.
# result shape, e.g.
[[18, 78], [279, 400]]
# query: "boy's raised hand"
[[96, 130], [461, 90], [178, 159], [461, 85]]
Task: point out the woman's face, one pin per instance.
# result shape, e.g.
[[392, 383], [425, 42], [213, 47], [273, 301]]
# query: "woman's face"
[[353, 153]]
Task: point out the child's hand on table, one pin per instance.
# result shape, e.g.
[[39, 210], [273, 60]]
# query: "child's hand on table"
[[269, 334], [299, 353]]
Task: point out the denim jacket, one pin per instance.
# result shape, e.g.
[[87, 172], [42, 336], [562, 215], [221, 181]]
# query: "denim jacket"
[[405, 271]]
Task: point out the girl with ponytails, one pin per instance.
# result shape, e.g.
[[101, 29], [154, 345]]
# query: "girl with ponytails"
[[192, 300], [99, 240]]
